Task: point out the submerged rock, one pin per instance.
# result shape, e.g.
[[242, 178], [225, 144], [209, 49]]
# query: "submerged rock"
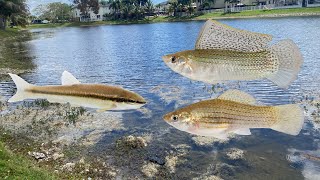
[[205, 141], [171, 162], [56, 156], [37, 155], [209, 177], [234, 154], [150, 169], [59, 123], [156, 159], [68, 167], [131, 142], [224, 170]]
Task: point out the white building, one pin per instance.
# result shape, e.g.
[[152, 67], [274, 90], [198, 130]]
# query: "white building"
[[104, 9]]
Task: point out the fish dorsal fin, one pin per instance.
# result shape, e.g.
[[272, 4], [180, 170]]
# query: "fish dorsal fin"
[[215, 35], [238, 96], [68, 79]]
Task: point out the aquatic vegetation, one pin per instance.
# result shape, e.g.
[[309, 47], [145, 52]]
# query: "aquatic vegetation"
[[223, 53], [235, 112], [97, 96], [15, 166], [60, 123], [130, 142], [74, 114], [307, 160], [15, 55]]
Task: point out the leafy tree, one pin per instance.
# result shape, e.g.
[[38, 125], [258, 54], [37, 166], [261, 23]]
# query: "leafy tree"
[[149, 7], [15, 10], [85, 6], [190, 10], [115, 5], [304, 3], [54, 11], [130, 9], [174, 5]]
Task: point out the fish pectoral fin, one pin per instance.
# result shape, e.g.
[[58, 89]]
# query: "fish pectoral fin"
[[106, 108], [68, 79], [242, 131], [215, 35], [237, 96]]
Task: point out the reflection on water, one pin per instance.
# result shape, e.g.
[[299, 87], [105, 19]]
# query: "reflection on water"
[[15, 55], [130, 56]]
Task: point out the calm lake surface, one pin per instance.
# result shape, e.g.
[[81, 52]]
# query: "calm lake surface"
[[130, 56]]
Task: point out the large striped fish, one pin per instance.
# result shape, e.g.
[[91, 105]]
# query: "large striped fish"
[[224, 53], [101, 97], [235, 112]]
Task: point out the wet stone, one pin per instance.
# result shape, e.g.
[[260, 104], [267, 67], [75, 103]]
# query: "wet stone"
[[156, 159], [37, 155], [130, 142], [234, 154]]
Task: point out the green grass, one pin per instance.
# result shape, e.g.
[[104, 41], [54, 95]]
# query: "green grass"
[[9, 32], [14, 166], [257, 13]]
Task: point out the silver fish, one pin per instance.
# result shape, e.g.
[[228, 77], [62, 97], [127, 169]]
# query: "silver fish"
[[235, 112], [101, 97], [224, 53]]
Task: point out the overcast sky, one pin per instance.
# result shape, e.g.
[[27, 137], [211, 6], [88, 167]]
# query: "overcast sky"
[[34, 3]]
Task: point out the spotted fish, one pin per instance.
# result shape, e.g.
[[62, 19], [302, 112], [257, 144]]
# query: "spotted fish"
[[101, 97], [235, 112], [223, 53]]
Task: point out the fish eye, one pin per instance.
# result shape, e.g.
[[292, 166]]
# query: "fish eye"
[[175, 118], [173, 59]]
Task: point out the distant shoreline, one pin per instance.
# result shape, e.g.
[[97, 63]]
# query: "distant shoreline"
[[272, 13], [167, 19]]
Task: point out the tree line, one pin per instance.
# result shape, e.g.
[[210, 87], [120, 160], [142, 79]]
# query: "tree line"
[[14, 10]]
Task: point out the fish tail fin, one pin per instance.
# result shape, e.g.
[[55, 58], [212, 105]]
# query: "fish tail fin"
[[290, 119], [289, 59], [22, 85]]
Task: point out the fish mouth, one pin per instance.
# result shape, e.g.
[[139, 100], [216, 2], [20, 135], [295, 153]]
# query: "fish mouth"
[[167, 58], [167, 117]]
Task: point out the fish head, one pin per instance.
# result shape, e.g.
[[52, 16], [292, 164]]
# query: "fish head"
[[137, 98], [179, 62], [179, 119]]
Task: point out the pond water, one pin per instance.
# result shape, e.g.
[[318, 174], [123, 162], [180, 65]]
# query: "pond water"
[[130, 56]]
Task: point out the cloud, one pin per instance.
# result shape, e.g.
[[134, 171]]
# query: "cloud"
[[34, 3]]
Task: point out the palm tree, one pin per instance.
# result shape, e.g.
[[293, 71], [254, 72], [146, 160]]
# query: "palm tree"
[[11, 9], [149, 8], [205, 4], [174, 5], [115, 5], [190, 10]]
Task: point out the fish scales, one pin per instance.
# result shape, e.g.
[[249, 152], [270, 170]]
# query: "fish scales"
[[235, 112], [228, 112]]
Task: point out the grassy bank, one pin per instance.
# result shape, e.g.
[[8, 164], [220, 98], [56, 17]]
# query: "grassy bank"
[[9, 32], [217, 15], [13, 166], [263, 13]]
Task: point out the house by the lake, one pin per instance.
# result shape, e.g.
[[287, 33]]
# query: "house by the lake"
[[91, 16]]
